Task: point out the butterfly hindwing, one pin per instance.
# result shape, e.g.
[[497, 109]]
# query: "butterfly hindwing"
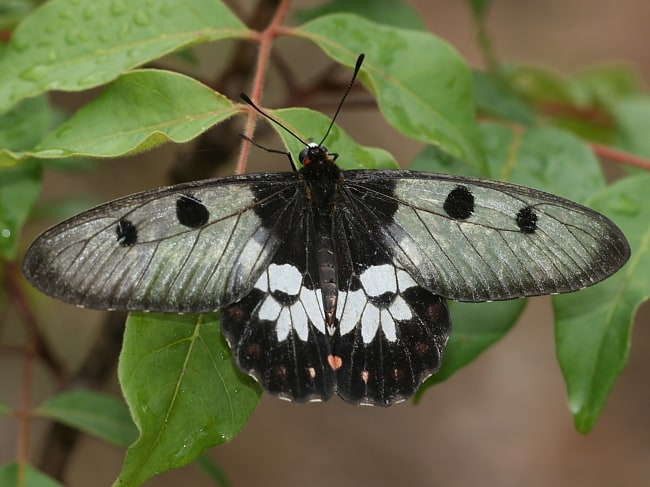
[[387, 344], [391, 332], [476, 240], [277, 332]]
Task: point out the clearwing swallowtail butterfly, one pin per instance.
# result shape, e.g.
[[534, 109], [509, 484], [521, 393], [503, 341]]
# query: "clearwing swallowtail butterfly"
[[328, 280]]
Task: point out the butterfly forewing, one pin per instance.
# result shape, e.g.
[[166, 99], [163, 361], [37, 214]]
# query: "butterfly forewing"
[[190, 248], [475, 240]]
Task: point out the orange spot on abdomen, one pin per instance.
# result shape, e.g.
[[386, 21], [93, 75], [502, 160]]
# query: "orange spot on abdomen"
[[335, 362]]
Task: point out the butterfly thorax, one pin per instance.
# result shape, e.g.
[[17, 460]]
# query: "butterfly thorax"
[[322, 178]]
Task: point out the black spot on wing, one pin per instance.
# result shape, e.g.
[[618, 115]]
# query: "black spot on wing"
[[292, 368], [527, 220], [459, 203], [191, 212], [127, 233]]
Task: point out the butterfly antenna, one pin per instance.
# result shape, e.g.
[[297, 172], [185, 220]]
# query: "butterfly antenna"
[[357, 68], [247, 100]]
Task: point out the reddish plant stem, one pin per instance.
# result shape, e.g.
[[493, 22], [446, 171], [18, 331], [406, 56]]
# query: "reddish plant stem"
[[589, 114], [42, 347], [613, 154], [35, 346], [25, 408], [265, 39]]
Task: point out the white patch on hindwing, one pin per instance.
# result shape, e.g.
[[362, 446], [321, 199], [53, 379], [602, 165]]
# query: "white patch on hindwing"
[[356, 306], [306, 306]]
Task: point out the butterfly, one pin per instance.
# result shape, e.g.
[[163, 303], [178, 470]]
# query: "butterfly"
[[328, 280]]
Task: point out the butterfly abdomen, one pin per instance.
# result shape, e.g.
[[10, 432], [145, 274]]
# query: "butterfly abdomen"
[[322, 178], [326, 265]]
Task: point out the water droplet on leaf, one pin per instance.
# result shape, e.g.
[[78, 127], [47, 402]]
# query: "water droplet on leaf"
[[35, 73], [89, 13], [118, 7], [72, 37], [66, 14], [89, 80], [142, 18], [19, 44]]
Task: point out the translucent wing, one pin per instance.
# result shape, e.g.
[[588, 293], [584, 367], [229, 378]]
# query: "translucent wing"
[[188, 248], [476, 240]]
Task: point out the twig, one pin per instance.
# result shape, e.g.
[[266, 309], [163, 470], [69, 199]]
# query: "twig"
[[265, 39], [613, 154], [42, 346]]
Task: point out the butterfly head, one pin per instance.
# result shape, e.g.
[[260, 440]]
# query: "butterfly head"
[[314, 153], [319, 167]]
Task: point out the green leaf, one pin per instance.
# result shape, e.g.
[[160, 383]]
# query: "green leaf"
[[496, 98], [308, 124], [184, 390], [92, 412], [582, 103], [546, 158], [388, 12], [605, 83], [24, 126], [139, 111], [475, 327], [423, 86], [633, 123], [540, 84], [73, 45], [593, 327], [434, 159], [10, 477], [21, 186]]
